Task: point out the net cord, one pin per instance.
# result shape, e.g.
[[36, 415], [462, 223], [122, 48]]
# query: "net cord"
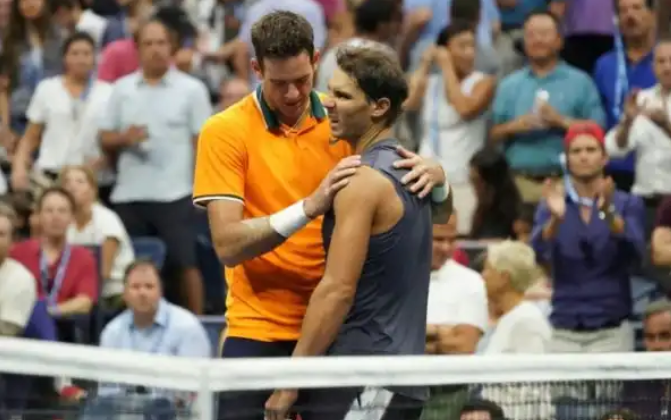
[[214, 375]]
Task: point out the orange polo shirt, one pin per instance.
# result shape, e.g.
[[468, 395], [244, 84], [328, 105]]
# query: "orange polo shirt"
[[244, 154]]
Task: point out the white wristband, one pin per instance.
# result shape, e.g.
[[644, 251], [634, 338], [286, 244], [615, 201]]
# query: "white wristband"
[[290, 220], [440, 194]]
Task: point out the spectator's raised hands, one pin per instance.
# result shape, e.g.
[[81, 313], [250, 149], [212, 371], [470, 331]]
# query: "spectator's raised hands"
[[606, 191], [550, 116], [631, 107], [555, 198]]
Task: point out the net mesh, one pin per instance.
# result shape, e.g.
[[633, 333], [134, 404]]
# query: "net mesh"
[[124, 385]]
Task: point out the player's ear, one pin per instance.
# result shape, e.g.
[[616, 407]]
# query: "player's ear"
[[256, 67], [315, 59], [381, 107]]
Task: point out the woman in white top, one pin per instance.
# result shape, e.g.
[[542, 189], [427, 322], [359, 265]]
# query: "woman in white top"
[[96, 225], [510, 270], [63, 115], [454, 102]]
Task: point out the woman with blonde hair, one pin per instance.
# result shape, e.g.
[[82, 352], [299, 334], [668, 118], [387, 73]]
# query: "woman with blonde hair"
[[510, 271], [97, 225]]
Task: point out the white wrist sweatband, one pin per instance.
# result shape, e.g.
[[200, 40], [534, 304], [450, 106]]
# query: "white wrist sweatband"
[[440, 194], [290, 220]]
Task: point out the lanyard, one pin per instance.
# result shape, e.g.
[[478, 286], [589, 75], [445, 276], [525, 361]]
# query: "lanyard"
[[81, 102], [570, 189], [621, 78], [156, 346], [435, 128], [57, 283]]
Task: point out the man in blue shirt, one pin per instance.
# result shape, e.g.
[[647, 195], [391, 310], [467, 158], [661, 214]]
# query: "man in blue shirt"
[[592, 236], [629, 66], [535, 105]]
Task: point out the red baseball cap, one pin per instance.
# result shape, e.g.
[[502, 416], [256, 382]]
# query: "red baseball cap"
[[584, 128]]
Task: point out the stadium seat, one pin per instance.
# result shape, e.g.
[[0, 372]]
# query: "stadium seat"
[[150, 247], [213, 326]]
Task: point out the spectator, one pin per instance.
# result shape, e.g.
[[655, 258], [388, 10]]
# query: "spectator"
[[588, 29], [661, 237], [31, 50], [151, 325], [592, 236], [456, 315], [535, 105], [648, 398], [121, 58], [17, 284], [629, 66], [96, 225], [453, 112], [231, 91], [425, 19], [74, 16], [479, 409], [510, 270], [154, 117], [67, 273], [646, 129], [218, 25], [63, 116], [376, 22], [497, 196]]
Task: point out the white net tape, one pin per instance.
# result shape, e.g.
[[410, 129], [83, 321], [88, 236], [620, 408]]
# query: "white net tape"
[[204, 378]]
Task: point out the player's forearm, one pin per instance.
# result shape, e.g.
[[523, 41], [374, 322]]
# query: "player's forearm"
[[326, 312], [239, 241], [246, 240]]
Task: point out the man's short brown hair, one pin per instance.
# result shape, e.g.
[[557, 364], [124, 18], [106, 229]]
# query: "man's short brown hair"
[[281, 35], [377, 73]]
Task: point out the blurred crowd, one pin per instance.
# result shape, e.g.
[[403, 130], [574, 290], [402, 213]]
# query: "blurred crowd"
[[551, 119]]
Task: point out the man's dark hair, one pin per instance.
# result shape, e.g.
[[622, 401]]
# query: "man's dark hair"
[[455, 28], [77, 37], [370, 14], [140, 262], [468, 10], [281, 35], [495, 411], [55, 191], [540, 13], [378, 74]]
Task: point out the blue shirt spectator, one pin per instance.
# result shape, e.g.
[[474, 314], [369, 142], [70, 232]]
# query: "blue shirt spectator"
[[592, 237], [569, 91]]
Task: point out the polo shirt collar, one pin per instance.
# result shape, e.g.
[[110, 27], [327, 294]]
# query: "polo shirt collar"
[[167, 79], [559, 69], [161, 317], [270, 117]]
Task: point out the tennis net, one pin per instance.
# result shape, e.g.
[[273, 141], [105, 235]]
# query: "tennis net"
[[128, 385]]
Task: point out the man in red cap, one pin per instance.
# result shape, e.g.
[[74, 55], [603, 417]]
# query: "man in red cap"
[[591, 235]]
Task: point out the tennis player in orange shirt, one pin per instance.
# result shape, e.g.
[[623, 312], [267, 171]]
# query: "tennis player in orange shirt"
[[267, 169]]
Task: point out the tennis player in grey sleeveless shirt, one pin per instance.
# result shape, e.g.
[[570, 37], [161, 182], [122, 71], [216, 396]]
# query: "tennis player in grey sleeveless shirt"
[[373, 296]]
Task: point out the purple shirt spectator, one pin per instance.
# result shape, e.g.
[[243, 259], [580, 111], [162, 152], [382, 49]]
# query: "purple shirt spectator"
[[591, 266], [589, 17]]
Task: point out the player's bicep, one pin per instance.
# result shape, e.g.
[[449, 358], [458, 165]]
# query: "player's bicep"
[[221, 163], [354, 211]]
